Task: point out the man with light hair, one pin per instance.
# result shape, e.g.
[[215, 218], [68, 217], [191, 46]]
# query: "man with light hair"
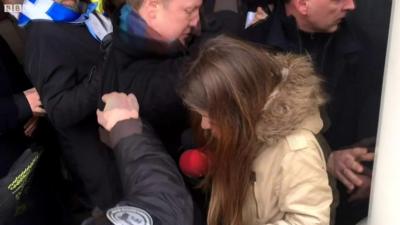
[[149, 50], [150, 47]]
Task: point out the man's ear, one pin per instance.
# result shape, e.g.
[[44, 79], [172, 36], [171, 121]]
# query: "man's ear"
[[301, 6], [149, 8]]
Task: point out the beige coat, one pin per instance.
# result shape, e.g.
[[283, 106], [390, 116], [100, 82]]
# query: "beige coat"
[[291, 182]]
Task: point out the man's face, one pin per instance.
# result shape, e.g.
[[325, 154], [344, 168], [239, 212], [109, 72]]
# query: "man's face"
[[72, 4], [176, 19], [326, 15]]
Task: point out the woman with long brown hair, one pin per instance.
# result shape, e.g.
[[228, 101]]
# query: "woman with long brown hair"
[[260, 114]]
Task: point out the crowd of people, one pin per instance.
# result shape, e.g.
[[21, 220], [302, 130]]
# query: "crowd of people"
[[108, 96]]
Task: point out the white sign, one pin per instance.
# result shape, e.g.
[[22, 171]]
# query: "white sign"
[[12, 8]]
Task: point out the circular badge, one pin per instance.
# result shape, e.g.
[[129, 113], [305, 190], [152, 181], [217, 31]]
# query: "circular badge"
[[129, 215]]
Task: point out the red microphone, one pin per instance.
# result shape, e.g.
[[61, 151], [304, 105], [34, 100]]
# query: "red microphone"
[[194, 163]]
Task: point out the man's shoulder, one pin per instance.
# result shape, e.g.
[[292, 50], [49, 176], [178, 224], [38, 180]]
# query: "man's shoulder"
[[60, 40], [145, 58], [42, 31], [277, 32], [43, 28], [149, 66]]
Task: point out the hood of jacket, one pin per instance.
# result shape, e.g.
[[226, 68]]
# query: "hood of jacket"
[[294, 103]]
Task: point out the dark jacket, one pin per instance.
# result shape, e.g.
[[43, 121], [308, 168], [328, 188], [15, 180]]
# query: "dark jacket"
[[60, 60], [233, 22], [14, 108], [335, 56], [151, 181], [152, 71], [243, 6]]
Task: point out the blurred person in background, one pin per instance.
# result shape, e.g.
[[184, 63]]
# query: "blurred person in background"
[[61, 52], [319, 28]]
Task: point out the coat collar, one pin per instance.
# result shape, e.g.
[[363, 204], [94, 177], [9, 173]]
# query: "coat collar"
[[284, 32], [312, 123]]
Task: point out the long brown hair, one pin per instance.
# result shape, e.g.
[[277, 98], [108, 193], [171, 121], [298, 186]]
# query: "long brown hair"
[[232, 81]]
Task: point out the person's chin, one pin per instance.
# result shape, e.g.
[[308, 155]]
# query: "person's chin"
[[336, 26], [70, 4], [332, 29]]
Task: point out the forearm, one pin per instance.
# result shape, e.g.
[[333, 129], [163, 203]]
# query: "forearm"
[[149, 176], [23, 109], [67, 107]]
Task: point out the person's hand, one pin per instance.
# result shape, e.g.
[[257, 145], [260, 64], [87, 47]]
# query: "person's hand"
[[118, 107], [345, 165], [34, 102], [260, 15], [361, 193], [30, 126]]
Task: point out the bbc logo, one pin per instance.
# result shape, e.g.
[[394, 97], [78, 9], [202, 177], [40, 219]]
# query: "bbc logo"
[[13, 8]]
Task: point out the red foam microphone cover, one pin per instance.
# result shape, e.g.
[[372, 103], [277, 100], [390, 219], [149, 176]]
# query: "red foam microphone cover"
[[194, 163]]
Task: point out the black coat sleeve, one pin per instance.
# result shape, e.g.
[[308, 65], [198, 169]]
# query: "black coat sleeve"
[[65, 101], [150, 178], [24, 109], [14, 108], [8, 114], [67, 95]]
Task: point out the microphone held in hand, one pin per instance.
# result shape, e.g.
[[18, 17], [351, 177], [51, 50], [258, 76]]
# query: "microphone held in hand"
[[194, 163]]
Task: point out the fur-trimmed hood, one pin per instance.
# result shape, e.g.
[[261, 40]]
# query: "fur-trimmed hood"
[[294, 103]]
